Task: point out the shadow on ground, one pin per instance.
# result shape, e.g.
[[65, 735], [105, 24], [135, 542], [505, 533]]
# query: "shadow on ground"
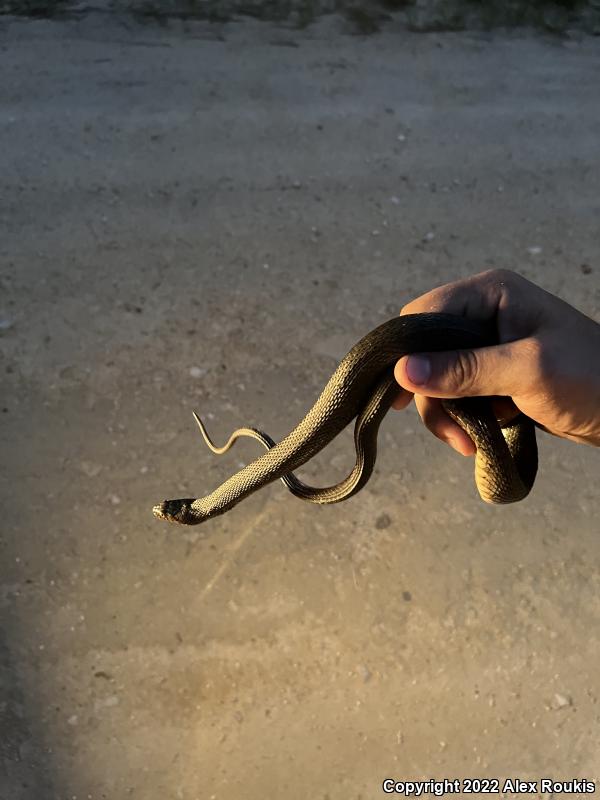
[[363, 18]]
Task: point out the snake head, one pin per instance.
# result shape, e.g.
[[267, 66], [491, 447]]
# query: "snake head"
[[179, 511]]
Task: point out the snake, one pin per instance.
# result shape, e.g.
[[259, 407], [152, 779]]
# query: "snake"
[[363, 387]]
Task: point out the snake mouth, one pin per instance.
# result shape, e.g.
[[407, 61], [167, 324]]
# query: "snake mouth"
[[179, 511]]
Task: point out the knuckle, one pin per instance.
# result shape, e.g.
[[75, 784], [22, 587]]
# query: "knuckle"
[[464, 370], [506, 274], [535, 361], [501, 275]]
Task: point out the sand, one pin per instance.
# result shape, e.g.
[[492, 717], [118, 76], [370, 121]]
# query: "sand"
[[197, 218]]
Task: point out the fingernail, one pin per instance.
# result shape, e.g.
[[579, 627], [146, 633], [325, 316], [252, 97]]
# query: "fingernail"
[[418, 369]]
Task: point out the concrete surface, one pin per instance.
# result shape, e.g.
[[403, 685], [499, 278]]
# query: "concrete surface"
[[191, 222]]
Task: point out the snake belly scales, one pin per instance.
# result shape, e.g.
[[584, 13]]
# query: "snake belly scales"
[[363, 387]]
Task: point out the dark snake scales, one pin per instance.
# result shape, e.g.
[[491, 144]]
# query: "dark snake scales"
[[363, 387]]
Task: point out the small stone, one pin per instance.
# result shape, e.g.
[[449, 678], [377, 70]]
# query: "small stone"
[[112, 700], [197, 372], [560, 701], [383, 521], [115, 499], [5, 324], [364, 672], [90, 469], [72, 719], [395, 200], [534, 251], [429, 237]]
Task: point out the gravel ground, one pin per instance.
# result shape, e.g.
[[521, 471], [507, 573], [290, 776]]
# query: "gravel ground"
[[208, 218]]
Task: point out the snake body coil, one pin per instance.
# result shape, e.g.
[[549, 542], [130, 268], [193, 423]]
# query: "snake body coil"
[[363, 386]]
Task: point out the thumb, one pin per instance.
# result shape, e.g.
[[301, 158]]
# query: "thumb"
[[498, 370]]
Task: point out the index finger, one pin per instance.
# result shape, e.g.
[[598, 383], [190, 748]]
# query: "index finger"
[[476, 297]]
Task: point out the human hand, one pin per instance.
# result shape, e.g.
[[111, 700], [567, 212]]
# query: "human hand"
[[546, 365]]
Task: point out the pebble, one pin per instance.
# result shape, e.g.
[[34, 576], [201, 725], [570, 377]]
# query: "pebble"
[[561, 701], [197, 372], [113, 700], [6, 324], [534, 251], [90, 469], [383, 521]]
